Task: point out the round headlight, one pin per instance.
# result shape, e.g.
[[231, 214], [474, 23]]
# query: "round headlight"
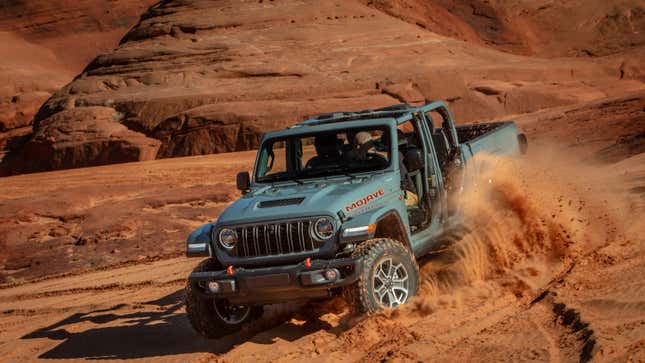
[[227, 238], [324, 228]]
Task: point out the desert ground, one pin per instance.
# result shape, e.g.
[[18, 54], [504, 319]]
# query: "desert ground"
[[554, 275], [110, 115]]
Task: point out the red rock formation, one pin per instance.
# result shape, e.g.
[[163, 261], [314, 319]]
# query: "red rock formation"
[[74, 30], [204, 77], [542, 28], [29, 74], [44, 43], [89, 136]]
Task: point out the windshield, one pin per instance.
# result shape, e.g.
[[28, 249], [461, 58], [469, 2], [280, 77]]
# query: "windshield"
[[337, 152]]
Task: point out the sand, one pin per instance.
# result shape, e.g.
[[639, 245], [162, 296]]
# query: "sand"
[[551, 270]]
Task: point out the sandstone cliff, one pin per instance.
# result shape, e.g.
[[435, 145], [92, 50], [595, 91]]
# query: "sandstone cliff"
[[198, 77], [44, 44]]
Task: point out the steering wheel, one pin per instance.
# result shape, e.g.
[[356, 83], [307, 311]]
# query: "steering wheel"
[[376, 157]]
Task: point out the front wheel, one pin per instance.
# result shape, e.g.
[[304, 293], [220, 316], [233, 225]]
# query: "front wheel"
[[389, 276], [215, 318]]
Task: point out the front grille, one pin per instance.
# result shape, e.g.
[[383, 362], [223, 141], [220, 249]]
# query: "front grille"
[[275, 239]]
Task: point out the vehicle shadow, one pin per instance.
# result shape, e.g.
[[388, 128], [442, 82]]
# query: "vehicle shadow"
[[153, 329]]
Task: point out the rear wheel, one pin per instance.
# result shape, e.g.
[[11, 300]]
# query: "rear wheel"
[[389, 276], [215, 318]]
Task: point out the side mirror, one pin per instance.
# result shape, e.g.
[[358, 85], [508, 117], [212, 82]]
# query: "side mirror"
[[243, 181], [414, 160]]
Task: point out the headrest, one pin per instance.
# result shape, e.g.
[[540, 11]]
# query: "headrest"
[[413, 159], [327, 145], [362, 137]]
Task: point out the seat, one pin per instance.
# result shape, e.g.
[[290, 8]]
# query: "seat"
[[412, 167], [327, 150], [442, 147], [413, 161]]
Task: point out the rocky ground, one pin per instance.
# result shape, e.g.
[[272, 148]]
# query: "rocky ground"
[[91, 218]]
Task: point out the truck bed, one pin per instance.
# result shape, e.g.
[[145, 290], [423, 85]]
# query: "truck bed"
[[499, 138]]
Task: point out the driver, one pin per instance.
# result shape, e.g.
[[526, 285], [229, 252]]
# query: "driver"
[[365, 143], [327, 150]]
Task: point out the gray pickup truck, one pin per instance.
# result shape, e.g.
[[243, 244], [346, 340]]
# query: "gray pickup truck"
[[342, 204]]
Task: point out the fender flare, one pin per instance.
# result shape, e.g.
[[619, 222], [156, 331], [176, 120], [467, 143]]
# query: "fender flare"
[[403, 231], [378, 217]]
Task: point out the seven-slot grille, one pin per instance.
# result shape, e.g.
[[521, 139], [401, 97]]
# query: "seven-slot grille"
[[275, 239]]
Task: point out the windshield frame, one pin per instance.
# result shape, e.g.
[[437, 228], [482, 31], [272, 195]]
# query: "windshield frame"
[[384, 127]]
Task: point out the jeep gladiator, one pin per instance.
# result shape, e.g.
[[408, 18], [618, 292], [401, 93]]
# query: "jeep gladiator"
[[342, 204]]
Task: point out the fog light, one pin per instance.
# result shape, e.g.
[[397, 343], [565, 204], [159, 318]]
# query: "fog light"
[[213, 287], [331, 275]]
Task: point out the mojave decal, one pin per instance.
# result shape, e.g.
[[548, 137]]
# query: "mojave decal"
[[365, 200]]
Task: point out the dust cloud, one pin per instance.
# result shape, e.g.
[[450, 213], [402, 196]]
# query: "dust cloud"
[[525, 220]]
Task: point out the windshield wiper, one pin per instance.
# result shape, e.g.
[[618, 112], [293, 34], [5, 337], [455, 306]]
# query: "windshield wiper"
[[281, 180], [350, 175]]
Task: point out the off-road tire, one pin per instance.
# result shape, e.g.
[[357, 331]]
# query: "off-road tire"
[[201, 309], [360, 295]]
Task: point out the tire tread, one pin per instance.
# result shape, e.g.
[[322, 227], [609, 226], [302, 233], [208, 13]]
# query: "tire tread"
[[358, 295], [201, 312]]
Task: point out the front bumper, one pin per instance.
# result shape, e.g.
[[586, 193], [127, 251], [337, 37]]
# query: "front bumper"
[[277, 284]]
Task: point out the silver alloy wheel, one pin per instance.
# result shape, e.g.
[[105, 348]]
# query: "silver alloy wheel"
[[231, 314], [390, 282]]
